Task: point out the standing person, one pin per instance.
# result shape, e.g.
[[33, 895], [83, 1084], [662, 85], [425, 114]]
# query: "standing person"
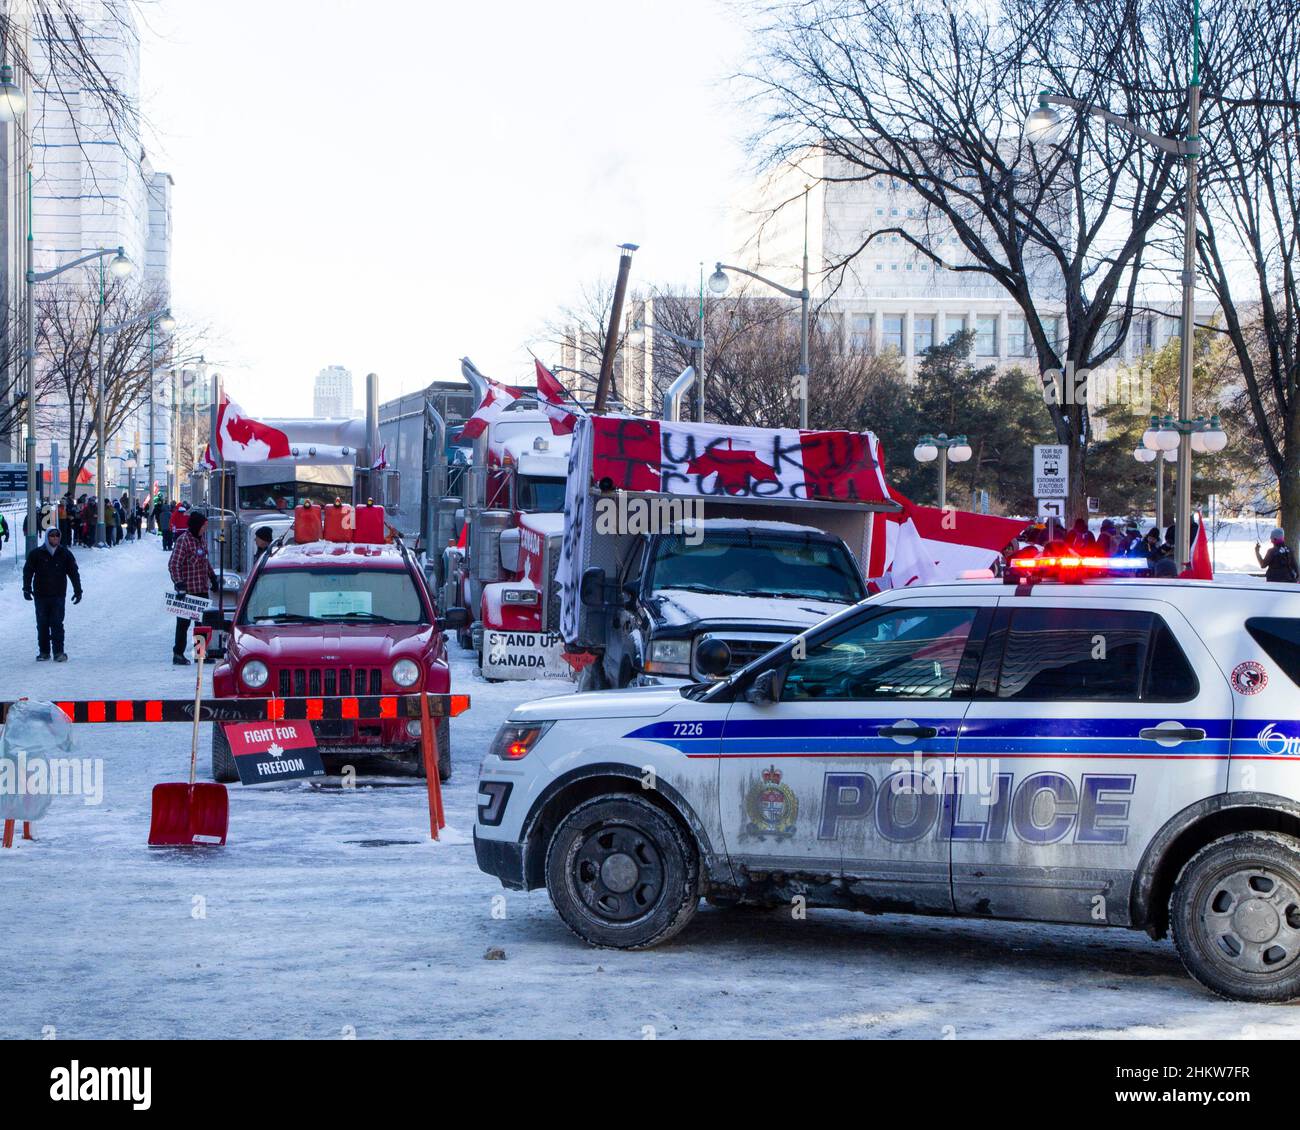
[[46, 574], [4, 531], [1279, 562], [263, 536], [65, 518], [192, 574], [179, 519]]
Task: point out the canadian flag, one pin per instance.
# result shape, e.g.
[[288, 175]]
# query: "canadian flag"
[[207, 460], [552, 400], [241, 439], [1201, 568], [498, 399], [381, 463], [913, 564]]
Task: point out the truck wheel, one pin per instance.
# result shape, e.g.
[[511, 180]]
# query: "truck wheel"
[[1235, 914], [592, 677], [622, 873], [223, 761], [444, 752]]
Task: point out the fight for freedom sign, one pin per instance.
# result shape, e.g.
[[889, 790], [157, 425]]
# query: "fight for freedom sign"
[[671, 457], [273, 751]]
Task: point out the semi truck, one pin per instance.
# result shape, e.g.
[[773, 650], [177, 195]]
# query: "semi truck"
[[487, 516]]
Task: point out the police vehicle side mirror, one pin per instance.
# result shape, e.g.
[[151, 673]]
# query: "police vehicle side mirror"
[[713, 657], [454, 619], [591, 589], [765, 689]]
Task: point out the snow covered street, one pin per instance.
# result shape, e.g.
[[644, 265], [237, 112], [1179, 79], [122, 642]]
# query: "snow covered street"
[[330, 913]]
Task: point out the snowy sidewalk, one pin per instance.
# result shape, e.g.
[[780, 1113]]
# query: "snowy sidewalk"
[[330, 913]]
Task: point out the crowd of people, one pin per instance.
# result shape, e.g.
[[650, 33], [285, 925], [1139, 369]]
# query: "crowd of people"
[[1114, 539]]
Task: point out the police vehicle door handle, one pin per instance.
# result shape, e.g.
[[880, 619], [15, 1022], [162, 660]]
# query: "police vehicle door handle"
[[907, 732], [1157, 734]]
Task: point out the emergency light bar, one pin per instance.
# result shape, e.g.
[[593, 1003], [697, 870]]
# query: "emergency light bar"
[[1028, 571]]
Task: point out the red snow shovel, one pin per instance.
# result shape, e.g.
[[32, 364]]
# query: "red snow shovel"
[[185, 815]]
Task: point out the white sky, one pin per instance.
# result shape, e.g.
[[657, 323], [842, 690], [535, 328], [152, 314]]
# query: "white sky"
[[392, 184]]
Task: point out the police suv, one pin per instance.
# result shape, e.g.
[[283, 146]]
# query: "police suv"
[[1111, 752]]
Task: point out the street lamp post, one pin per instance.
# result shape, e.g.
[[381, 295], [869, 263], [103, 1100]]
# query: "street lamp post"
[[943, 448], [161, 319], [120, 268], [1170, 438], [637, 335], [1043, 126], [718, 284]]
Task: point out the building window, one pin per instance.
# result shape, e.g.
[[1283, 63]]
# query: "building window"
[[1019, 343], [880, 266], [893, 266], [953, 324], [986, 335], [909, 266], [861, 333], [880, 211], [892, 332], [922, 333]]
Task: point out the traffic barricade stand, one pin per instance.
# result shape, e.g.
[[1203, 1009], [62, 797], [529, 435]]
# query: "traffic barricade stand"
[[303, 708]]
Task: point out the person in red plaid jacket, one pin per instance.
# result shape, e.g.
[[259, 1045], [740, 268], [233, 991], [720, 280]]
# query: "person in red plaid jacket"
[[192, 574]]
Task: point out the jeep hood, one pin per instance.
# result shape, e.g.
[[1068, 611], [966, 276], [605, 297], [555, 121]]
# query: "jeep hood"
[[321, 645]]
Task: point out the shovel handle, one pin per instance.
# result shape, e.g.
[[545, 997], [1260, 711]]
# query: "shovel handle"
[[200, 653]]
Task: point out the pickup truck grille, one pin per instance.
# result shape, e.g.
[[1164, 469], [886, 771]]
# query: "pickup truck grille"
[[331, 681], [744, 652]]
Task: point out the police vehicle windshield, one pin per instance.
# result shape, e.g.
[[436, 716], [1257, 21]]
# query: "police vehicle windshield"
[[753, 563], [333, 596]]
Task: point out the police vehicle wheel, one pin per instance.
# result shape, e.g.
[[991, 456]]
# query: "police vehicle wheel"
[[223, 761], [622, 873], [1235, 914]]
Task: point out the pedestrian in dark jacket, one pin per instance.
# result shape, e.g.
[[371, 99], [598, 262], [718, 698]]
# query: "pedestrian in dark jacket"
[[1279, 561], [191, 573], [46, 574]]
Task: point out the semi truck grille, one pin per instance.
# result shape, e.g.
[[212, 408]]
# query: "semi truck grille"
[[331, 681]]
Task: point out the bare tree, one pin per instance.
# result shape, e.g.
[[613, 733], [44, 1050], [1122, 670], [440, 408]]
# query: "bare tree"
[[1250, 221], [68, 346], [931, 95], [751, 358], [577, 335]]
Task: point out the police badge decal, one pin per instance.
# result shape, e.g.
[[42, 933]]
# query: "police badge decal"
[[772, 807]]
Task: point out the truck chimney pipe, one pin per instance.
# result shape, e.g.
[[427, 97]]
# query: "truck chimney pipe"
[[677, 393], [372, 419]]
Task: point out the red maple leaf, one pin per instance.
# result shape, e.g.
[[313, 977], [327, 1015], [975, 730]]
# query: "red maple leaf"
[[735, 469]]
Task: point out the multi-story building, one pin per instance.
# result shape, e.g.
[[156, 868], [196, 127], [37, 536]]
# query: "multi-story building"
[[333, 393], [93, 187]]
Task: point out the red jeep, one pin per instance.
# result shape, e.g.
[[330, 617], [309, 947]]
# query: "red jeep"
[[337, 619]]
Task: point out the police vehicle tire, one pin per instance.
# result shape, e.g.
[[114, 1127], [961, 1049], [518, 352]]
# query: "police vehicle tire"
[[1235, 914], [223, 761], [622, 873]]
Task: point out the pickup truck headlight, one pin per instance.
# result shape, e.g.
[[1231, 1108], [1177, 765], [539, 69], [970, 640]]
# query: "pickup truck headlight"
[[406, 673], [514, 740], [254, 674], [520, 596], [670, 657]]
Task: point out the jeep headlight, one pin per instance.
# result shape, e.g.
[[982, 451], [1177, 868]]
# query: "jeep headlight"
[[406, 673], [514, 740], [254, 674], [670, 657]]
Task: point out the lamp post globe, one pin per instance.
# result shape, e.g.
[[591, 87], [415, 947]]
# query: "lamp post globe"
[[925, 452], [121, 266], [1043, 125], [719, 282], [13, 102], [959, 451]]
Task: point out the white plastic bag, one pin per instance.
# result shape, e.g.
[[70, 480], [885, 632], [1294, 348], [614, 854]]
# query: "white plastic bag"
[[33, 732]]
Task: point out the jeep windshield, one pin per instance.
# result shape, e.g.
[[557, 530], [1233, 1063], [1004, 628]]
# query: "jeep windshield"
[[752, 563], [333, 596]]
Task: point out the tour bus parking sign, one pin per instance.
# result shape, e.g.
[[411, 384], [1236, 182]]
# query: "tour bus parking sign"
[[1051, 470]]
